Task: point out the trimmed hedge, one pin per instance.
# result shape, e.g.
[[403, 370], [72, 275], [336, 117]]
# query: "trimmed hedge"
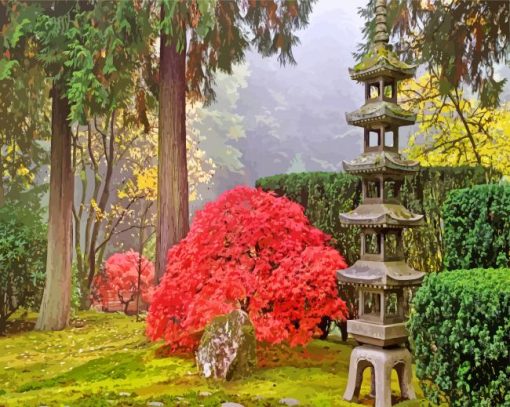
[[460, 329], [477, 227], [325, 195]]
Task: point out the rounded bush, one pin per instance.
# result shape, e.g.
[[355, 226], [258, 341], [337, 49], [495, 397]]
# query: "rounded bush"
[[460, 328], [254, 251], [118, 281]]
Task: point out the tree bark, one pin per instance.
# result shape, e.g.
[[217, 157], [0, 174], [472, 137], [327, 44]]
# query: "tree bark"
[[173, 212], [103, 200], [56, 302]]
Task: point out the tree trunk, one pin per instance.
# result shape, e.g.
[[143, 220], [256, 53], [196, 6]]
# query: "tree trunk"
[[104, 198], [56, 302], [173, 212]]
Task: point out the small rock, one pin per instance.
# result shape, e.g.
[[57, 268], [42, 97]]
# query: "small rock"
[[231, 404], [124, 394], [227, 348], [155, 404], [78, 323], [289, 402], [204, 394]]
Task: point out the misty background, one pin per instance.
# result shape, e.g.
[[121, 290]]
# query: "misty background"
[[269, 119]]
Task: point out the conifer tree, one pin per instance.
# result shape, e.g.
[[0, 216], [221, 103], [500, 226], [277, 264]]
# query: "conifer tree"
[[198, 39]]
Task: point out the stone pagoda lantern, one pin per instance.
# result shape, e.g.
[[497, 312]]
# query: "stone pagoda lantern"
[[381, 275]]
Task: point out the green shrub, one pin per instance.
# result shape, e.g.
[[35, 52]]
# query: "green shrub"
[[425, 194], [477, 227], [460, 328], [325, 195], [22, 260]]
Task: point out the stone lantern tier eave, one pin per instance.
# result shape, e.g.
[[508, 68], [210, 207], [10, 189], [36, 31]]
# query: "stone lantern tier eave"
[[378, 274], [380, 162], [380, 112], [381, 215], [381, 62]]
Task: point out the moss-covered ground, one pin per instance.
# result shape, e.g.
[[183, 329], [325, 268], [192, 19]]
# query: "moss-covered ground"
[[106, 360]]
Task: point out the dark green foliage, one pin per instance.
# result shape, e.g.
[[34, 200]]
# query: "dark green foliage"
[[464, 39], [460, 327], [425, 193], [477, 227], [325, 195], [22, 260]]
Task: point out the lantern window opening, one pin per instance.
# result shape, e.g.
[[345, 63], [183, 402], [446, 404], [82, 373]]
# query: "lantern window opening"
[[390, 138], [392, 189], [372, 139], [390, 90], [393, 306], [373, 91], [372, 189], [372, 243], [391, 245], [371, 301]]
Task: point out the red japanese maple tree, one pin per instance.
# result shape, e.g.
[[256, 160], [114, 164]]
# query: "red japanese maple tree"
[[120, 277], [254, 251]]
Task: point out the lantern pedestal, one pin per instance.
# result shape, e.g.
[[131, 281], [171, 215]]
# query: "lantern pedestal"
[[381, 361]]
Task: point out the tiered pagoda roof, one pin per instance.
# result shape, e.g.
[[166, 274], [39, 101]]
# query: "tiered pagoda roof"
[[380, 112], [380, 61], [379, 215], [380, 274], [380, 162]]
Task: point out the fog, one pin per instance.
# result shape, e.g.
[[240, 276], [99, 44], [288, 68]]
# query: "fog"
[[293, 117]]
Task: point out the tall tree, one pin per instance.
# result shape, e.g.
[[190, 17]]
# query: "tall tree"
[[42, 25], [87, 50], [199, 38], [56, 301], [462, 39]]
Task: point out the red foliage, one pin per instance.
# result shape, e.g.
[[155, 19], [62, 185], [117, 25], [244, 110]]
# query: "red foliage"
[[119, 279], [250, 250]]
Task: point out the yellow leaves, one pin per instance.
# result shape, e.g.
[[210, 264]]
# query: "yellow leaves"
[[143, 184], [22, 171], [99, 214], [454, 129], [147, 179]]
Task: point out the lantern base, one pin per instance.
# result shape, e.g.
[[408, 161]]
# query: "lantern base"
[[379, 335], [382, 361]]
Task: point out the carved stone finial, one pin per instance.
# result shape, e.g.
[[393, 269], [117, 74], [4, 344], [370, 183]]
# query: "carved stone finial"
[[381, 28]]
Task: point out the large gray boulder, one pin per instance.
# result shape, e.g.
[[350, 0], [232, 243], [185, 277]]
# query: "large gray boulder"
[[227, 348]]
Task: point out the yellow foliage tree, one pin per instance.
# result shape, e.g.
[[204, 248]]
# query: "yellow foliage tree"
[[454, 129], [115, 162]]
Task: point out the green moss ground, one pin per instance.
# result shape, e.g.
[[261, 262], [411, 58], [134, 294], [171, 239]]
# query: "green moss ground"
[[109, 362]]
